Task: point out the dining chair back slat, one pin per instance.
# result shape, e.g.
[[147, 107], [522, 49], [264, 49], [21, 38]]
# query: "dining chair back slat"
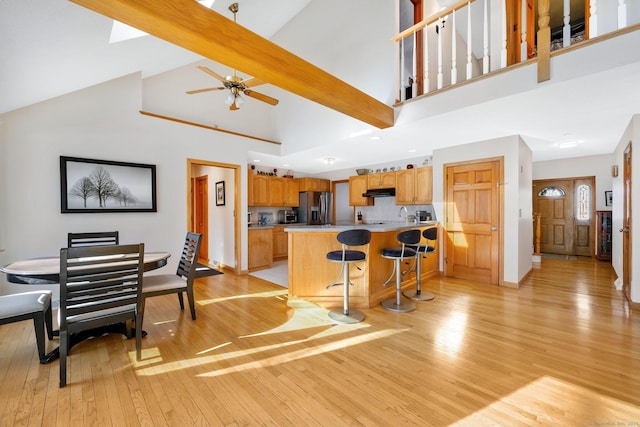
[[75, 240]]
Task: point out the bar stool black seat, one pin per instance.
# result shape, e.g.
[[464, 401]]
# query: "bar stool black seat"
[[408, 239], [431, 235], [346, 256]]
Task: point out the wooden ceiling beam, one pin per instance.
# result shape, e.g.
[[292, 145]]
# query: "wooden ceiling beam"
[[201, 30]]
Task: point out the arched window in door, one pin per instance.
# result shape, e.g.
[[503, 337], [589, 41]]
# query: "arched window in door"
[[551, 192], [583, 202]]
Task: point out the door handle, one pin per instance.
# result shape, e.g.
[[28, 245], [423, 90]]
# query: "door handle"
[[624, 230], [494, 228]]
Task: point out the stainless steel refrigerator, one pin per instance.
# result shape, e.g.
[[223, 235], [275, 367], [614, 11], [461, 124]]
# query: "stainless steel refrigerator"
[[315, 207]]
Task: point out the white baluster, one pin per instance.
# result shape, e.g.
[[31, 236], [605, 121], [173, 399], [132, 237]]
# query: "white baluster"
[[622, 14], [566, 29], [414, 72], [593, 18], [469, 44], [425, 36], [403, 92], [485, 43], [454, 51], [503, 35], [440, 30], [523, 32]]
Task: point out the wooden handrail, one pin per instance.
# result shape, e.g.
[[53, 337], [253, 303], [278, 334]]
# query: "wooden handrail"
[[433, 18]]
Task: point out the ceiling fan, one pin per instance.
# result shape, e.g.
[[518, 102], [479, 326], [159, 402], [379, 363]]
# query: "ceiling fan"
[[235, 84]]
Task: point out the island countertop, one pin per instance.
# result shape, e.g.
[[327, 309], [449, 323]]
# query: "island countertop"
[[310, 272], [374, 227]]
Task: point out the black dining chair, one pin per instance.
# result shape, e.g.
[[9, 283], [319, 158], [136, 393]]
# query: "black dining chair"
[[34, 305], [99, 286], [182, 281], [75, 240]]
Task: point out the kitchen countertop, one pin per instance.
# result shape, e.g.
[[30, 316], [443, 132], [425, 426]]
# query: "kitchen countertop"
[[373, 227]]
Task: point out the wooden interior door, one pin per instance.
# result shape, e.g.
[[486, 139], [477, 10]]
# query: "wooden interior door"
[[626, 225], [557, 216], [202, 214], [472, 221]]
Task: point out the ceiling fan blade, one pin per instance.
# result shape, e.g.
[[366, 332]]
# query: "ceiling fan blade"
[[191, 92], [261, 97], [251, 82], [212, 73]]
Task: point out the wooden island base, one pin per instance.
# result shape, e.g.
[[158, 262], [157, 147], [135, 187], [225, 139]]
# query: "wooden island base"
[[310, 272]]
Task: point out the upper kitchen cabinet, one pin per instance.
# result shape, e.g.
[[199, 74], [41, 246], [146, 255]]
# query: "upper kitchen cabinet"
[[283, 192], [259, 190], [314, 184], [381, 180], [414, 186], [357, 185]]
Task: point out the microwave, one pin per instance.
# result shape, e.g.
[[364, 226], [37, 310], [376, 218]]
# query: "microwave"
[[287, 216]]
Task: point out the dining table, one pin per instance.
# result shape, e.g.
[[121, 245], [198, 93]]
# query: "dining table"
[[46, 271]]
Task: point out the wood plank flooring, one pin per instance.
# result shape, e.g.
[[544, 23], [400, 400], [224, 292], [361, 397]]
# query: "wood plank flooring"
[[562, 350]]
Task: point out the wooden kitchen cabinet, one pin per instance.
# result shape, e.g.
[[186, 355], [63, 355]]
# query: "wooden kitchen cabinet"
[[314, 184], [280, 243], [358, 184], [287, 191], [260, 190], [381, 180], [260, 248], [414, 186]]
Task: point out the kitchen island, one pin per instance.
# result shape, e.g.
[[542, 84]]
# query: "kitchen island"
[[310, 272]]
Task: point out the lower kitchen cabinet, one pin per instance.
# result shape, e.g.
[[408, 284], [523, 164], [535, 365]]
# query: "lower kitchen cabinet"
[[260, 248], [280, 243]]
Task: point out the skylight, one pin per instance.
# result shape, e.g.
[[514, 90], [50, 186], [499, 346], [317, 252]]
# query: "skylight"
[[122, 32]]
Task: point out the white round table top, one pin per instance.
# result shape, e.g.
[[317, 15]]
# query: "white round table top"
[[51, 265]]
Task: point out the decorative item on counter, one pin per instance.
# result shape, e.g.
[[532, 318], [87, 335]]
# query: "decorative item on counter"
[[362, 171], [409, 166], [289, 174], [428, 161], [253, 167], [360, 218]]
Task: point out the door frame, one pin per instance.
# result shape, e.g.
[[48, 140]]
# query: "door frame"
[[202, 181], [236, 203], [626, 230]]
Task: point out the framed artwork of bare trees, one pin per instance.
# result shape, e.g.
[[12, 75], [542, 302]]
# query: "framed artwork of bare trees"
[[89, 186]]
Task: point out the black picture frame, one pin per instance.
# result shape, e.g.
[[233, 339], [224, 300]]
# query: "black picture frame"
[[220, 193], [94, 186], [608, 198]]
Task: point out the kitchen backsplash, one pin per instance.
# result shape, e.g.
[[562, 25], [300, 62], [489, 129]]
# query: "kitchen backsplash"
[[385, 210]]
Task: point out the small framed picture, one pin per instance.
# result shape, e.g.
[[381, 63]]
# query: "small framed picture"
[[220, 193], [608, 198]]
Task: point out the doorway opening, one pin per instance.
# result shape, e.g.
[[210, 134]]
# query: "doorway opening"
[[218, 222]]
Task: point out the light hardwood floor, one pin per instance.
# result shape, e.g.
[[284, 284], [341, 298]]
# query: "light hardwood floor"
[[562, 350]]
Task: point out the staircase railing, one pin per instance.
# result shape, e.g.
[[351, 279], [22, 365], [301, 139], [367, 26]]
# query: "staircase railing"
[[467, 40]]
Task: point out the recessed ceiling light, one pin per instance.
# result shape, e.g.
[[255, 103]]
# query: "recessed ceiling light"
[[285, 165], [329, 160], [257, 160], [375, 138], [568, 144], [413, 150]]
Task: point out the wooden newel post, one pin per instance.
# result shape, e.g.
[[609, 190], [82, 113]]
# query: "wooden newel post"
[[536, 237], [544, 41]]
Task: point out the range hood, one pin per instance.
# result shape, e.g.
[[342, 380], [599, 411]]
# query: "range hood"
[[380, 192]]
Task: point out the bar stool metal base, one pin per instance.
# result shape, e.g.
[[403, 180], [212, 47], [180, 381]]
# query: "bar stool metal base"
[[418, 296], [354, 316], [398, 306]]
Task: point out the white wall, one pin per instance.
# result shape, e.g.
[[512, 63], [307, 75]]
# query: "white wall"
[[101, 122], [517, 229]]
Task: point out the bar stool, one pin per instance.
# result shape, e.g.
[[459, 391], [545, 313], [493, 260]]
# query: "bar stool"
[[408, 239], [431, 235], [348, 238]]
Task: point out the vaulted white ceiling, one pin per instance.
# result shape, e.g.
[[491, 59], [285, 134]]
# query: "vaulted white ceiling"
[[53, 47]]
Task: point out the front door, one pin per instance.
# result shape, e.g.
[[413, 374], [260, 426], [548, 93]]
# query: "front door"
[[472, 220], [553, 200]]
